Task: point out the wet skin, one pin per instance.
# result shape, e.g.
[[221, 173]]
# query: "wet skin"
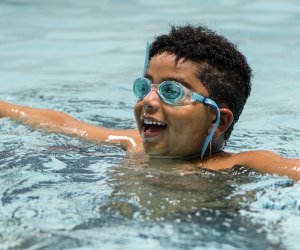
[[188, 125]]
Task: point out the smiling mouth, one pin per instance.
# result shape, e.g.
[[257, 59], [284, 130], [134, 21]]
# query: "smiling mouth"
[[151, 128]]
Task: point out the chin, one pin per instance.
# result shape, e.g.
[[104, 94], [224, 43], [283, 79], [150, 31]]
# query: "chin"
[[152, 151], [156, 153]]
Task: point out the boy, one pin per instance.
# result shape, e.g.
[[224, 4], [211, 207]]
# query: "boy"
[[194, 88]]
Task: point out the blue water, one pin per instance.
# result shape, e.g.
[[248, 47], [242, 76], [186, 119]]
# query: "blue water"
[[81, 57]]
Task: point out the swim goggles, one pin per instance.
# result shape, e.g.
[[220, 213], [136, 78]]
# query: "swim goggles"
[[175, 94], [171, 92]]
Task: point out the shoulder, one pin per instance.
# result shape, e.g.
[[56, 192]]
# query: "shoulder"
[[260, 160], [257, 159], [251, 159], [269, 162]]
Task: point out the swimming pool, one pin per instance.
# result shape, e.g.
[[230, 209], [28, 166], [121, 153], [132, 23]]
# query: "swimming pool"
[[62, 193]]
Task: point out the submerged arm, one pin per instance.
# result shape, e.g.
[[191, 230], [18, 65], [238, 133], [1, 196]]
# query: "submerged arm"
[[59, 122]]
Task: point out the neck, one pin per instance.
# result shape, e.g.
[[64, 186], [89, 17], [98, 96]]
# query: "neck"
[[213, 150]]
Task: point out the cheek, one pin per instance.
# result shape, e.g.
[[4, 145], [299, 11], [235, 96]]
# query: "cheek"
[[137, 114], [191, 121], [137, 110], [189, 130]]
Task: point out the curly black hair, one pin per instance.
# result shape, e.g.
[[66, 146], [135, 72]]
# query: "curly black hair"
[[223, 70]]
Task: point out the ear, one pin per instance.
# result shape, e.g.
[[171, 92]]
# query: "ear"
[[226, 119]]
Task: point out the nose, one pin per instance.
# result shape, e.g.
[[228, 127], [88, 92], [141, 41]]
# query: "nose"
[[151, 101]]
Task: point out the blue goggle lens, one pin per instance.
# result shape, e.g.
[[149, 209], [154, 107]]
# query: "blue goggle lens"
[[141, 87], [171, 92]]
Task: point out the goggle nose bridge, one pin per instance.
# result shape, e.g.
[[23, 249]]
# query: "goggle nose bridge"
[[153, 87]]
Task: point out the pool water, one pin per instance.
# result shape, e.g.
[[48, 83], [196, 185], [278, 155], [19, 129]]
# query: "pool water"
[[81, 57]]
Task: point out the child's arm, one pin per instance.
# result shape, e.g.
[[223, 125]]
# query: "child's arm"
[[59, 122], [268, 162]]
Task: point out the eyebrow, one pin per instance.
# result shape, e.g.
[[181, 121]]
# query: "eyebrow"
[[176, 79]]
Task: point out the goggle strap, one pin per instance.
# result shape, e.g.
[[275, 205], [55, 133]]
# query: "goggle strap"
[[198, 98], [212, 104], [147, 56]]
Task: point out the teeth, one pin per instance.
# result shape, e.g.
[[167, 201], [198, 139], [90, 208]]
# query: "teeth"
[[151, 122]]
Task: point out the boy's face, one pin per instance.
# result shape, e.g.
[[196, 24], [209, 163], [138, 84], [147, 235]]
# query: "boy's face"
[[184, 128]]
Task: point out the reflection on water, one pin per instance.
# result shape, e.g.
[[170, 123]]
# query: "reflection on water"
[[58, 192], [80, 57], [163, 189], [95, 193]]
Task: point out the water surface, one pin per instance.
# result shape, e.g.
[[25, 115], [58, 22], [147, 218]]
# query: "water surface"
[[81, 57]]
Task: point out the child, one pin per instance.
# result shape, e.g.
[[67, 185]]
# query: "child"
[[193, 91]]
